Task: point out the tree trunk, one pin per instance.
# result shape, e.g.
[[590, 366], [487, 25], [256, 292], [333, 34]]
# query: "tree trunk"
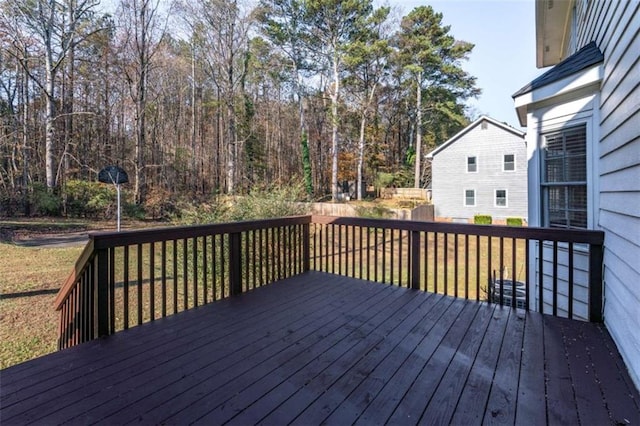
[[416, 183], [25, 142], [363, 120], [141, 106], [50, 131], [334, 130]]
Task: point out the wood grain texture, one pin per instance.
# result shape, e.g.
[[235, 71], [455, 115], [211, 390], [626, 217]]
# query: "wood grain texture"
[[320, 348]]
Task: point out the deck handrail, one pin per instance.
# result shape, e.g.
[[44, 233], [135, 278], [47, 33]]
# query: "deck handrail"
[[578, 236], [189, 265]]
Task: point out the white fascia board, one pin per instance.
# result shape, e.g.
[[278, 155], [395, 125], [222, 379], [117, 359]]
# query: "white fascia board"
[[566, 85]]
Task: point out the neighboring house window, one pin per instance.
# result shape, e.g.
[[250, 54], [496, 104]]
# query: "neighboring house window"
[[472, 164], [469, 197], [509, 163], [564, 178], [501, 198]]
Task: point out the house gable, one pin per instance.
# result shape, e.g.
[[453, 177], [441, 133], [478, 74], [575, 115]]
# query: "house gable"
[[469, 175]]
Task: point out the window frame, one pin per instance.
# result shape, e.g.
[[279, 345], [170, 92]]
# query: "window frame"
[[504, 162], [506, 198], [464, 198], [545, 186], [475, 159]]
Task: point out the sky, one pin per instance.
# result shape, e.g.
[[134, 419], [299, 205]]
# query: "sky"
[[503, 59]]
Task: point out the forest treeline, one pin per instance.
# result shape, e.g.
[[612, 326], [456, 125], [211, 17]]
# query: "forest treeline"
[[201, 97]]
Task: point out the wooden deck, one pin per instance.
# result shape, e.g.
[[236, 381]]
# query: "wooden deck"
[[319, 348]]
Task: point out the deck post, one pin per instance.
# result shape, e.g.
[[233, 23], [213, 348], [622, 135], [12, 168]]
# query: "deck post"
[[595, 282], [235, 263], [306, 247], [101, 285], [415, 260]]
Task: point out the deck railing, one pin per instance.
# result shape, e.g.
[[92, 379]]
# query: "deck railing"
[[125, 279], [128, 278]]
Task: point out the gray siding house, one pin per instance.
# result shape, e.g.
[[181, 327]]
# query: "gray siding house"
[[583, 138], [480, 170]]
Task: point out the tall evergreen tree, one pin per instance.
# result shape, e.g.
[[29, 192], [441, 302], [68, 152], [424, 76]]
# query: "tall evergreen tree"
[[431, 57]]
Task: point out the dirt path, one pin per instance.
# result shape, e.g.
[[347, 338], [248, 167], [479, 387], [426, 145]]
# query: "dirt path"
[[61, 240]]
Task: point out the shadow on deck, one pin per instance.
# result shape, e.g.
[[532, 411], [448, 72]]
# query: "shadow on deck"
[[320, 348]]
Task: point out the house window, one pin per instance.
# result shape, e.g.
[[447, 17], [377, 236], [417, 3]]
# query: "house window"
[[472, 164], [509, 163], [564, 178], [469, 197], [501, 198]]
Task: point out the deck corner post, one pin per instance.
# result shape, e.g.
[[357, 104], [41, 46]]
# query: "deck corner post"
[[415, 260], [101, 285], [235, 263], [306, 247], [596, 255]]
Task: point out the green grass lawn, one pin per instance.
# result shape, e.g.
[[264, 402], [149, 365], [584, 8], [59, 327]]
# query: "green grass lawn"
[[29, 278]]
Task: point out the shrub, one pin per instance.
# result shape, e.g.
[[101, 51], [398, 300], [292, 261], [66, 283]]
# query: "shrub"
[[160, 204], [514, 221], [482, 219], [90, 199], [44, 201], [258, 204], [132, 210]]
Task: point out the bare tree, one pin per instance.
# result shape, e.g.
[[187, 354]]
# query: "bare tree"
[[142, 32], [220, 29], [57, 33]]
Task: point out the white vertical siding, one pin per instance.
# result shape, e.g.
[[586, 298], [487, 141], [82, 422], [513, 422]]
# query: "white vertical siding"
[[615, 26], [450, 177]]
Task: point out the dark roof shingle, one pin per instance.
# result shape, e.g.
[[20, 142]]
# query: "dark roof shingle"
[[584, 58]]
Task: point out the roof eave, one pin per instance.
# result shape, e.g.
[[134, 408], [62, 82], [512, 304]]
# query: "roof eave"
[[588, 77], [552, 30]]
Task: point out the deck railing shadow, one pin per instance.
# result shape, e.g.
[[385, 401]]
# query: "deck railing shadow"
[[128, 278]]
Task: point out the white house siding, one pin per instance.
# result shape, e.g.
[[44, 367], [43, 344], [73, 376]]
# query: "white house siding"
[[580, 280], [450, 178], [615, 173], [615, 26], [571, 109]]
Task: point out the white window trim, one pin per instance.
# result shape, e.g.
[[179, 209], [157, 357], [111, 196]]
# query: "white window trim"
[[544, 215], [495, 198], [593, 187], [464, 197], [514, 163], [466, 164]]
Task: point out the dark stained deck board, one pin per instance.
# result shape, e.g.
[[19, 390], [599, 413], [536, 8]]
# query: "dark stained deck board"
[[380, 387], [608, 368], [341, 336], [219, 384], [388, 356], [441, 406], [501, 407], [354, 345], [322, 348], [153, 334], [193, 367], [472, 402], [531, 406], [561, 405], [411, 405], [591, 405], [289, 397]]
